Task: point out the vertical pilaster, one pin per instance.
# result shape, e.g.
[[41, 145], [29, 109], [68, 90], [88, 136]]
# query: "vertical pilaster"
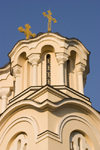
[[80, 69], [4, 93], [61, 57], [17, 72], [34, 59]]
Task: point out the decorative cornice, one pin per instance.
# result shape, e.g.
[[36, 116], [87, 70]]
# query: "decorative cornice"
[[42, 35], [56, 89], [63, 42], [57, 135], [48, 104], [34, 59], [61, 57], [4, 92]]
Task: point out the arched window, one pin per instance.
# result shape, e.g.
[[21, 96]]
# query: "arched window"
[[19, 143], [48, 69], [78, 142]]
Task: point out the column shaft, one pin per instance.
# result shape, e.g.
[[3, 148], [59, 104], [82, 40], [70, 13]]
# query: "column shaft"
[[80, 69], [17, 85], [34, 75], [61, 73], [4, 102], [61, 57], [34, 59], [80, 80], [4, 93]]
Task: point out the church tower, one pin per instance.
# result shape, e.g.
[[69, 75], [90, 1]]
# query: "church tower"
[[43, 106]]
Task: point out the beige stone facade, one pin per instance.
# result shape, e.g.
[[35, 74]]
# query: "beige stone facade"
[[42, 105]]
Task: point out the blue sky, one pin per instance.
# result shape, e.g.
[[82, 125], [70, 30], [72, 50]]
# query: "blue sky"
[[75, 18]]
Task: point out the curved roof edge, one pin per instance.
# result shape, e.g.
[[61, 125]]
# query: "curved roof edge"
[[48, 104], [48, 33]]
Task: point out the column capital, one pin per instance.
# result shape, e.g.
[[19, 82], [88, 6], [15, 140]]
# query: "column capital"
[[17, 70], [4, 92], [80, 68], [34, 59], [61, 57]]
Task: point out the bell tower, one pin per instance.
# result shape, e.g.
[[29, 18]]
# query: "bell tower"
[[53, 60], [43, 105]]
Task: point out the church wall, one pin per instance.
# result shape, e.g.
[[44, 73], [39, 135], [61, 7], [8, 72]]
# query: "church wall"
[[82, 128], [0, 105], [8, 82], [61, 121], [20, 128], [53, 116]]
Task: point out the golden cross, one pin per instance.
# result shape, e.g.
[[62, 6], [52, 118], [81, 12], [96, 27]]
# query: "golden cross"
[[27, 31], [49, 19]]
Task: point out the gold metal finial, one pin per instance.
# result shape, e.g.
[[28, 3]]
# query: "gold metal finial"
[[49, 19], [27, 31]]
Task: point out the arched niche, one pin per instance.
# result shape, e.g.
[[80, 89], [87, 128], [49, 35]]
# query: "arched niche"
[[49, 48], [81, 55], [21, 59], [25, 71], [50, 43], [18, 141], [82, 127], [72, 77], [80, 140], [23, 127], [18, 52]]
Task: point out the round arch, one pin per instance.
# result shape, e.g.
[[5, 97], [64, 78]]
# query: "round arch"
[[18, 54], [19, 119], [79, 118]]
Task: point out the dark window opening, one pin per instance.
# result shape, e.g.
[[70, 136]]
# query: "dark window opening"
[[48, 69], [68, 72], [79, 143]]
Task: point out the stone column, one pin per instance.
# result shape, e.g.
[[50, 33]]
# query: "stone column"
[[61, 57], [17, 72], [80, 69], [34, 59], [4, 92]]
